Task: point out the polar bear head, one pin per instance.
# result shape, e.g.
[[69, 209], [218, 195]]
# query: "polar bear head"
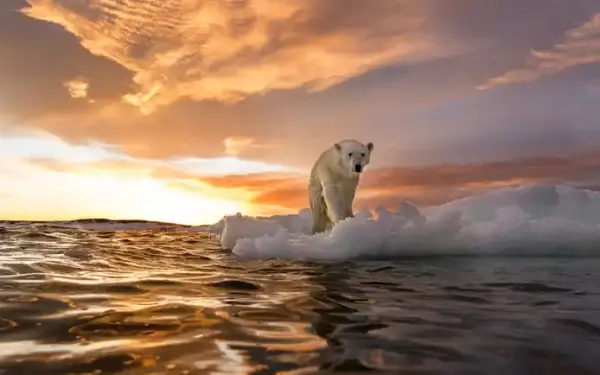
[[353, 156]]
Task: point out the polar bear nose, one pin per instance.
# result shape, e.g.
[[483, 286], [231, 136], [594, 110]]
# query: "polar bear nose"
[[358, 168]]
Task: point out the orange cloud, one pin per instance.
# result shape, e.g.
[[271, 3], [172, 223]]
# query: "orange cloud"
[[78, 88], [268, 193], [426, 186], [581, 45], [234, 146], [227, 51], [100, 189]]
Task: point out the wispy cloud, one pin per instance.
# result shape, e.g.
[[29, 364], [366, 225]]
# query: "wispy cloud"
[[236, 145], [428, 185], [229, 165], [228, 50], [42, 145], [581, 45], [87, 159], [77, 87], [270, 192]]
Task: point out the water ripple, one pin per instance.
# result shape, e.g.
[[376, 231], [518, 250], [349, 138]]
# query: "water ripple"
[[75, 301]]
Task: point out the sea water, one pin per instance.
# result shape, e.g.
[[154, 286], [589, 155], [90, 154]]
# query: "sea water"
[[503, 283]]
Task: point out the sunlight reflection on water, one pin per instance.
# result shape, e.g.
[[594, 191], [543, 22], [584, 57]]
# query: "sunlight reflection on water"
[[150, 302]]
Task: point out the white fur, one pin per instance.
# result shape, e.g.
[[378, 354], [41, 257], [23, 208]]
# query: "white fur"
[[333, 182]]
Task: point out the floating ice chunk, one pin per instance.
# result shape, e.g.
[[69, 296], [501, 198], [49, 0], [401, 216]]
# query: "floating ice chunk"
[[528, 220]]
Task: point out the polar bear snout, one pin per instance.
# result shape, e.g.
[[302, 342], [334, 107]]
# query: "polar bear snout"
[[358, 168]]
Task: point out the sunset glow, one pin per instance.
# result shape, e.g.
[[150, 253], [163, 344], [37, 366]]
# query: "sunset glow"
[[188, 111]]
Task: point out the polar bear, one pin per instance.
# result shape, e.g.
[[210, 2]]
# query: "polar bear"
[[333, 181]]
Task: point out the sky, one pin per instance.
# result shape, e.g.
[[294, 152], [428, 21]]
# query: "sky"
[[185, 111]]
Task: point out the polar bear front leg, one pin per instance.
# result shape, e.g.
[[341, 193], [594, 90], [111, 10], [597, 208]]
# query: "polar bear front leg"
[[336, 207], [320, 219]]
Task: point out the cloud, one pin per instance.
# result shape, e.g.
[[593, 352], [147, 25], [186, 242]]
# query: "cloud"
[[216, 168], [51, 190], [270, 192], [229, 50], [42, 145], [234, 146], [416, 114], [224, 166], [78, 88], [429, 185], [168, 174], [580, 45]]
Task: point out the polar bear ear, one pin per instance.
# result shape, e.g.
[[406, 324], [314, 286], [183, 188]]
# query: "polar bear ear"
[[337, 147], [370, 146]]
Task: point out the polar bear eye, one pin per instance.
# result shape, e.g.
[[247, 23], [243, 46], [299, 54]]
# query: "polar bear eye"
[[362, 154], [350, 154]]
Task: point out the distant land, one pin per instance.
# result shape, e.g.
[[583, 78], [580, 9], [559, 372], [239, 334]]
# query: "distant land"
[[93, 221], [219, 225], [108, 224]]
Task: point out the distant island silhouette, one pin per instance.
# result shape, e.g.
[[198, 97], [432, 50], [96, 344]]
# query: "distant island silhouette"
[[98, 221]]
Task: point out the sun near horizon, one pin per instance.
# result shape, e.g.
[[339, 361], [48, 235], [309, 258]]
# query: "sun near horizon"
[[66, 182]]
